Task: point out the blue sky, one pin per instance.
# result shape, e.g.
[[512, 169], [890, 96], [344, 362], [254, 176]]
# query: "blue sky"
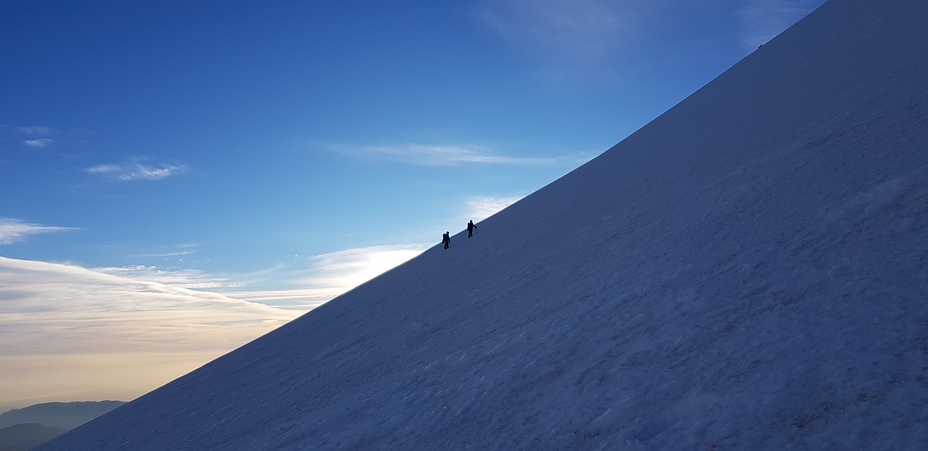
[[273, 156]]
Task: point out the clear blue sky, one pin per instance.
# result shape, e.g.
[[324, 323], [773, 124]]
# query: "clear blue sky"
[[278, 154]]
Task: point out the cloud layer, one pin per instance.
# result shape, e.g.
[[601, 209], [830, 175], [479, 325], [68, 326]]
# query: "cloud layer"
[[56, 318], [52, 308]]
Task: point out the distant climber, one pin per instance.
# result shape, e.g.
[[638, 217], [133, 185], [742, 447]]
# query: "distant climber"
[[470, 228], [446, 239]]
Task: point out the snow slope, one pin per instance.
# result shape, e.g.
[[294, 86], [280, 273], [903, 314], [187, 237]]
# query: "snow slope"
[[748, 271]]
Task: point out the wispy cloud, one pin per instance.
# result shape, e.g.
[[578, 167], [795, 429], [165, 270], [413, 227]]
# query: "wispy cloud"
[[36, 130], [166, 254], [167, 251], [578, 30], [448, 155], [183, 278], [762, 20], [480, 208], [14, 230], [299, 285], [315, 280], [347, 269], [145, 312], [37, 143], [130, 172]]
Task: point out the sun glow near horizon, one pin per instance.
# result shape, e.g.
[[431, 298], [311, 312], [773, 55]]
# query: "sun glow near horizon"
[[117, 333]]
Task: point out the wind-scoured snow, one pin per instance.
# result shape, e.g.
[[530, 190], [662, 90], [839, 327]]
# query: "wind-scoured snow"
[[747, 271]]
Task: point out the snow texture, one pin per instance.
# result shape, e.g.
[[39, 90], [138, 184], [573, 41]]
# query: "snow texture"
[[747, 271]]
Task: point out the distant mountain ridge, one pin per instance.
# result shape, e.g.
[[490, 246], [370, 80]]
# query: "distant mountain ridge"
[[24, 437], [27, 428], [61, 415]]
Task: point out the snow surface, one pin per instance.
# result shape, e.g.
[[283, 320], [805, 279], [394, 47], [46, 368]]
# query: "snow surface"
[[748, 271]]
